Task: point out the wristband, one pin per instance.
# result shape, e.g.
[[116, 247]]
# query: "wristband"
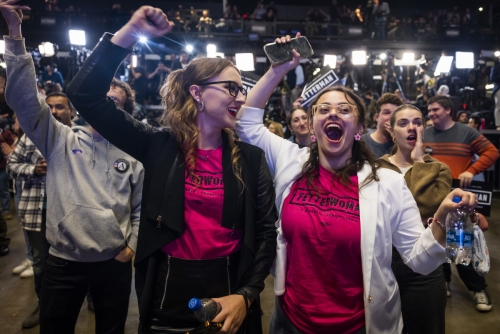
[[434, 220]]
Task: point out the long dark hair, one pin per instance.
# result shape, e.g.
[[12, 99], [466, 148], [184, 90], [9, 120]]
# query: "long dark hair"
[[361, 154]]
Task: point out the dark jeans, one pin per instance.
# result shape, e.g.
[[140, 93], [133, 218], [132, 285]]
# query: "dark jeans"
[[423, 298], [4, 241], [65, 286], [472, 280], [281, 324], [40, 248]]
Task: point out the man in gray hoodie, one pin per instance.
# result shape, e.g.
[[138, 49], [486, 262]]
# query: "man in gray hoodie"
[[93, 203]]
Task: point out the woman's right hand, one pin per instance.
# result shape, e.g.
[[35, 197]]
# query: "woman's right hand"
[[417, 154], [146, 22]]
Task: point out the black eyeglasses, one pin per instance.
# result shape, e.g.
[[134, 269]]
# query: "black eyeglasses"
[[232, 87]]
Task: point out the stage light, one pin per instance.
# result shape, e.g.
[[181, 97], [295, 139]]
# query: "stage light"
[[464, 59], [143, 40], [330, 60], [480, 9], [47, 49], [189, 48], [211, 50], [77, 37], [444, 64], [358, 57], [244, 61], [2, 46], [383, 56], [497, 53], [134, 60], [408, 58], [489, 86]]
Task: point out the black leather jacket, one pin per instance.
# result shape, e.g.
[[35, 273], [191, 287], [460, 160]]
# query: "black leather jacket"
[[251, 210]]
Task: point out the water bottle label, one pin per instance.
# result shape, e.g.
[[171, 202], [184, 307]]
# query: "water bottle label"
[[467, 239], [459, 238]]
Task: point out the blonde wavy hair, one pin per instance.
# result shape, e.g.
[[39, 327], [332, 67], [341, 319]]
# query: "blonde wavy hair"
[[181, 110]]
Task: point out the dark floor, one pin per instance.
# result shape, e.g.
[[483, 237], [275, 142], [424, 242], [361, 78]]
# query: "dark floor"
[[17, 296]]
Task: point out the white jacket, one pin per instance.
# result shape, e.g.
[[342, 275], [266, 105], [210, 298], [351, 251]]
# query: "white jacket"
[[388, 213]]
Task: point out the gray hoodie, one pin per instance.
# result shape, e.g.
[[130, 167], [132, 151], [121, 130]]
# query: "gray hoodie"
[[93, 189]]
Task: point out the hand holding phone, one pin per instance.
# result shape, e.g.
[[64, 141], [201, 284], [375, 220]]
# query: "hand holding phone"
[[281, 51]]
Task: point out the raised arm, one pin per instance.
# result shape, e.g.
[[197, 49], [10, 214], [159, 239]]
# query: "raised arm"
[[88, 89], [21, 91], [249, 126]]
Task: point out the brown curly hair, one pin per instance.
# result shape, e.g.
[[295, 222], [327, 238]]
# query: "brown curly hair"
[[361, 154], [129, 104], [181, 110]]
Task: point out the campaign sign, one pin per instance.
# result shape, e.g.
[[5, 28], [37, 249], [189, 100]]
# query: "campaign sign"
[[483, 191], [325, 78], [249, 79]]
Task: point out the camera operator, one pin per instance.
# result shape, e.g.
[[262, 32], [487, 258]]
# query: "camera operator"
[[52, 79]]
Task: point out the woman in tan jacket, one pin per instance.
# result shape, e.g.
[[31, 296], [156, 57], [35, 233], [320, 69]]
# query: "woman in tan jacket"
[[423, 298]]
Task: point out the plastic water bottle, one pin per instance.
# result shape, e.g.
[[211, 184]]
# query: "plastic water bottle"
[[459, 234], [205, 309]]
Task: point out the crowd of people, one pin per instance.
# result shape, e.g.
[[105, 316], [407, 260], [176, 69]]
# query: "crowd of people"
[[208, 200]]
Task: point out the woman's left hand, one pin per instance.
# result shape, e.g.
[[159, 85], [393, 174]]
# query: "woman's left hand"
[[232, 314], [288, 65], [417, 154], [469, 201]]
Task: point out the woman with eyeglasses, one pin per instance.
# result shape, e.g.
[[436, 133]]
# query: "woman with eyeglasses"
[[339, 217], [207, 219], [429, 181]]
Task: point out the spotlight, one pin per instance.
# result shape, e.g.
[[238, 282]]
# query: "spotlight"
[[244, 61], [444, 64], [330, 60], [211, 50], [464, 59], [143, 40], [480, 9], [134, 60], [77, 37], [497, 53], [47, 49], [408, 58], [358, 57], [383, 56], [2, 46], [189, 48]]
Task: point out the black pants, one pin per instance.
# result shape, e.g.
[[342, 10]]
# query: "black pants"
[[472, 280], [4, 241], [40, 248], [423, 298], [65, 286]]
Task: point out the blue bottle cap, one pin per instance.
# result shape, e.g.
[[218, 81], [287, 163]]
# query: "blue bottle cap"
[[194, 304], [456, 199]]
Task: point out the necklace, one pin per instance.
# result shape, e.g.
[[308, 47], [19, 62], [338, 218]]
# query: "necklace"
[[205, 157]]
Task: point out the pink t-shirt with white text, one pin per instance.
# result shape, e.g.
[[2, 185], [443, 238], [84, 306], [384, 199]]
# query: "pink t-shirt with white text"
[[204, 237], [324, 278]]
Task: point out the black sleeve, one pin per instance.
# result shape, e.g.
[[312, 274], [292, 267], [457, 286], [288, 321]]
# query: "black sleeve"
[[265, 235], [88, 92]]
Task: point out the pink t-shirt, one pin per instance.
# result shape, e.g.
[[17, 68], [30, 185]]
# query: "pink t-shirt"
[[324, 278], [204, 237]]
